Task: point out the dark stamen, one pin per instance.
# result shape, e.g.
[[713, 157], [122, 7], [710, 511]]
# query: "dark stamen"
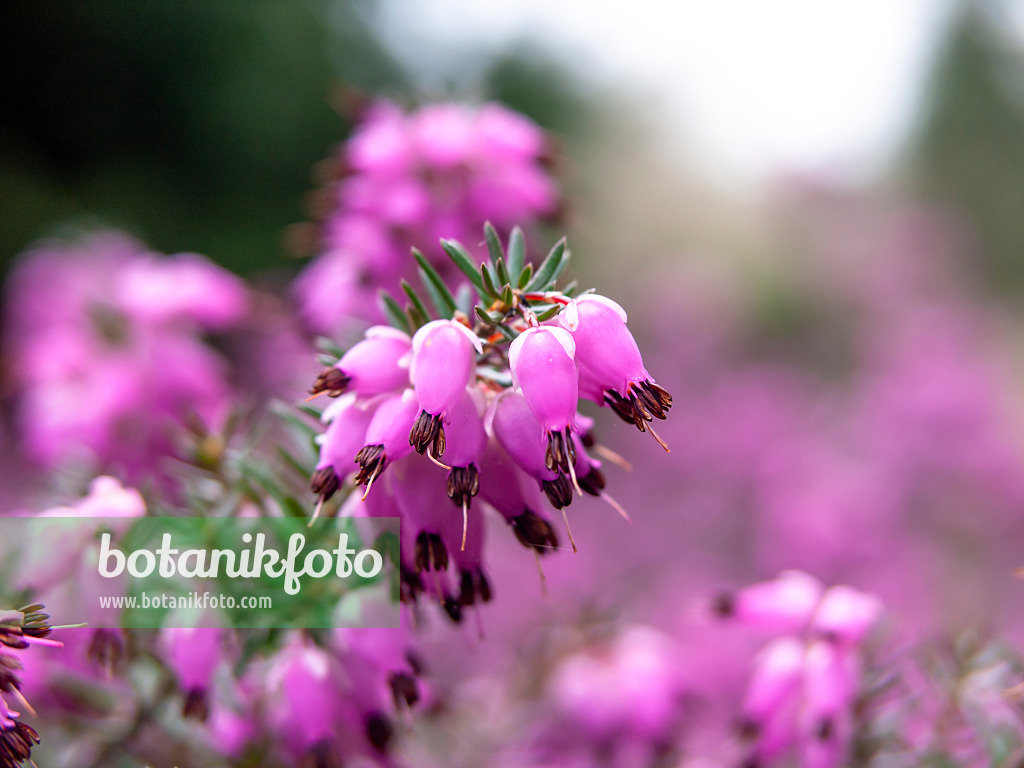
[[323, 754], [404, 689], [410, 587], [561, 451], [332, 381], [379, 731], [558, 491], [371, 460], [473, 585], [431, 554], [534, 531], [428, 432], [463, 484], [452, 608], [197, 706], [106, 648], [593, 482], [325, 483]]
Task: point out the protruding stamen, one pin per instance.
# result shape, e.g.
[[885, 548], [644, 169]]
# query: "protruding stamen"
[[465, 522], [568, 530], [657, 437], [434, 460], [613, 457], [617, 507]]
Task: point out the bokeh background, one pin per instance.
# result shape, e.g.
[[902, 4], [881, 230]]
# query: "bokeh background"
[[814, 213]]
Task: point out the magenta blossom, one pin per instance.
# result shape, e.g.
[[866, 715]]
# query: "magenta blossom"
[[443, 364], [408, 179], [377, 364], [806, 682], [611, 369], [543, 369], [104, 322]]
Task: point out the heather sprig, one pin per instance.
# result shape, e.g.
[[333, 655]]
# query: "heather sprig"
[[480, 398]]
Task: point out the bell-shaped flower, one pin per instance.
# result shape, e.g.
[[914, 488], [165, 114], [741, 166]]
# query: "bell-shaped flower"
[[466, 438], [443, 365], [345, 435], [517, 430], [299, 675], [377, 364], [543, 369], [516, 498], [386, 436], [610, 361]]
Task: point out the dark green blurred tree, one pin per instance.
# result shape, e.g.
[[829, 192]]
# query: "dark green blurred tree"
[[969, 149], [191, 124]]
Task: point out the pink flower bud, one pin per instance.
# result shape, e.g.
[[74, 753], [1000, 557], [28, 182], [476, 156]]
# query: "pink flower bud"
[[377, 364], [785, 604], [443, 365]]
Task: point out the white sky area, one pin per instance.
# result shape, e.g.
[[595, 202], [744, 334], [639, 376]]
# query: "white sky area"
[[748, 88]]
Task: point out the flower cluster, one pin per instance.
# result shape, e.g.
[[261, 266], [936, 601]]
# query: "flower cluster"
[[458, 411], [18, 631], [105, 323], [409, 178], [359, 683], [807, 680]]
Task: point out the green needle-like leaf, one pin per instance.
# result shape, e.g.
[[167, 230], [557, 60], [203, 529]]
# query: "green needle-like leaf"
[[493, 243], [524, 277], [437, 299], [551, 268], [394, 312], [417, 303], [444, 301], [488, 281], [483, 315], [516, 252], [501, 272], [548, 313], [461, 260]]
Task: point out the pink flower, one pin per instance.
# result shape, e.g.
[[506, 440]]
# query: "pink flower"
[[610, 361], [378, 364], [410, 179], [443, 365], [386, 436], [104, 322], [543, 369]]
